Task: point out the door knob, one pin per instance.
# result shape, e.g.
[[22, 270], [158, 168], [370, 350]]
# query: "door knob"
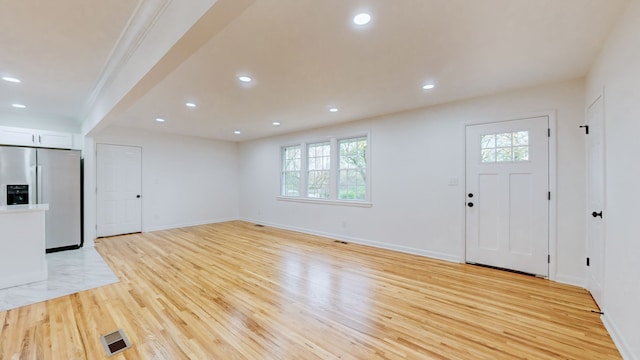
[[138, 196], [470, 204], [596, 214]]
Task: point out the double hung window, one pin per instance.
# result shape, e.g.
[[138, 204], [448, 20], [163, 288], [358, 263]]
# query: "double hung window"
[[319, 170], [291, 166], [327, 170], [352, 170]]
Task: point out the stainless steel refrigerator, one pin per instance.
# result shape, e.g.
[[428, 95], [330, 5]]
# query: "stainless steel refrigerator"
[[45, 176]]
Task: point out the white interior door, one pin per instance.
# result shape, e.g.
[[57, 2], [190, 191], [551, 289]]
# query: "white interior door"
[[119, 183], [507, 188], [596, 197]]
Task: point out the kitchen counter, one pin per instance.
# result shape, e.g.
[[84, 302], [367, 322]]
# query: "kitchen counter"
[[22, 240], [23, 208]]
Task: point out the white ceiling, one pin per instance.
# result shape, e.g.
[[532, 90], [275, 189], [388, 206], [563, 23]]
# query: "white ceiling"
[[58, 49], [305, 56]]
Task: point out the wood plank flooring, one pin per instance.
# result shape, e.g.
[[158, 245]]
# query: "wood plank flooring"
[[238, 291]]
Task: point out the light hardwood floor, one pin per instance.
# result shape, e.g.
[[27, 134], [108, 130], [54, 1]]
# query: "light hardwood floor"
[[238, 291]]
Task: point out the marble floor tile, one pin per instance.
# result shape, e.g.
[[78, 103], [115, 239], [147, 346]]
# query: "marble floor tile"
[[70, 272]]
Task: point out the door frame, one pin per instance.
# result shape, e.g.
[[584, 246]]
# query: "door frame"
[[599, 96], [552, 162]]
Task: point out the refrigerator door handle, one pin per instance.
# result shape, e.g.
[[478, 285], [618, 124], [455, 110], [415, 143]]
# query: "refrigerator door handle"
[[39, 183]]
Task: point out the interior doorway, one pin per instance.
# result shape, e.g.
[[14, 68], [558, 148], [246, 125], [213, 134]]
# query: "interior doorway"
[[119, 189]]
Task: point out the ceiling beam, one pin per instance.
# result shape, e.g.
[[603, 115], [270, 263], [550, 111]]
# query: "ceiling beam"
[[159, 37]]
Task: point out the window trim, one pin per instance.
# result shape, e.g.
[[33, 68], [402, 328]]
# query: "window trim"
[[299, 199], [335, 158]]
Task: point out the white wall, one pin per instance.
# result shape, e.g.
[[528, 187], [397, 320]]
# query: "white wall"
[[617, 71], [413, 156], [185, 180]]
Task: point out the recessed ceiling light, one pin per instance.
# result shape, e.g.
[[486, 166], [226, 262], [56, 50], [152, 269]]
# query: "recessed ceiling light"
[[237, 132], [333, 109], [428, 86], [159, 119], [19, 106], [190, 104], [244, 78], [362, 19], [11, 79], [276, 123]]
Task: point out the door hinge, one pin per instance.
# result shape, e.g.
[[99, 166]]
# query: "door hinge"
[[548, 132], [549, 259], [588, 262], [586, 129], [549, 195]]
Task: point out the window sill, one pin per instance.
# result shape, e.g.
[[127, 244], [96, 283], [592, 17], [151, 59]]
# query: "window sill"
[[362, 204]]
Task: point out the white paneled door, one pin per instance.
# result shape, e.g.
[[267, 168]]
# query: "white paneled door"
[[119, 183], [596, 196], [507, 195]]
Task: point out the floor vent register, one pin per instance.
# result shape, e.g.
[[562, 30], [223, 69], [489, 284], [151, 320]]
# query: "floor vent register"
[[115, 342]]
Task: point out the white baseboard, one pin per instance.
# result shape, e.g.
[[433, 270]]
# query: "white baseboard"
[[623, 346], [195, 223], [570, 280], [355, 240]]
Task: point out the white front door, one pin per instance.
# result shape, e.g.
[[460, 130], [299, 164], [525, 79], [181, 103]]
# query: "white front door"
[[507, 189], [595, 183], [119, 183]]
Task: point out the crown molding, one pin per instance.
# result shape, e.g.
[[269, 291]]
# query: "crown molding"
[[143, 19]]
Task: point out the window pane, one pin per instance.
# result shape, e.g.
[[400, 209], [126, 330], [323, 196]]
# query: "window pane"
[[291, 158], [503, 139], [521, 138], [326, 162], [291, 184], [318, 185], [503, 154], [353, 191], [521, 153], [488, 155], [488, 141]]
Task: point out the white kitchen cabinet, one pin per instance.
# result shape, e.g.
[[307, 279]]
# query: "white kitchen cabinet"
[[54, 139], [38, 138], [16, 136], [22, 259]]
